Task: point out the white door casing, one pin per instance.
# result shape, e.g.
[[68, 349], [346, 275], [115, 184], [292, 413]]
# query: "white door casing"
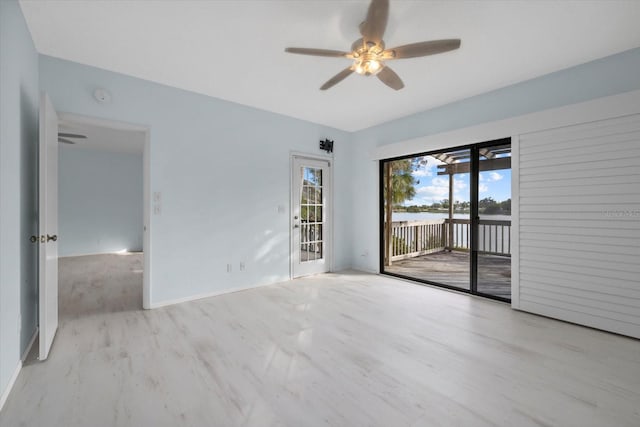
[[311, 232], [48, 226]]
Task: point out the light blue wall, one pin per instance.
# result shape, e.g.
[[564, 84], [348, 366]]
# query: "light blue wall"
[[18, 186], [223, 170], [608, 76], [603, 77], [100, 201]]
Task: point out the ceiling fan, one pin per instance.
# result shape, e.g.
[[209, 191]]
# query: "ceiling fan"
[[64, 137], [369, 53]]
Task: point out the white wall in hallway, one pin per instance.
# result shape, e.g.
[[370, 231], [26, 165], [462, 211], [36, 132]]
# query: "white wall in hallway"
[[100, 201]]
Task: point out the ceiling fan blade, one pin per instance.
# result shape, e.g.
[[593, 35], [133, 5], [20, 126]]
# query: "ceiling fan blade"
[[373, 27], [66, 141], [71, 135], [390, 78], [337, 78], [316, 52], [432, 47]]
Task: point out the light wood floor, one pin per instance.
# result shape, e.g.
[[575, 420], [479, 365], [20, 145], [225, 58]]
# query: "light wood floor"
[[334, 350]]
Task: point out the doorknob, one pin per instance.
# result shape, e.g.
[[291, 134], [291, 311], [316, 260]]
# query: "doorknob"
[[54, 237], [33, 239]]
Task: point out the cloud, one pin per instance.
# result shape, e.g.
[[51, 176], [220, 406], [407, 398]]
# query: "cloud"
[[429, 194], [494, 176], [486, 178], [432, 161], [460, 191], [438, 190], [440, 182], [420, 173], [432, 190], [427, 168]]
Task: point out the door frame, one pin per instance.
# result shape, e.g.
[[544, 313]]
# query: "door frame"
[[474, 181], [473, 216], [146, 192], [293, 200]]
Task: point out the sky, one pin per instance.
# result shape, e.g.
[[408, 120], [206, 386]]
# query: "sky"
[[434, 188]]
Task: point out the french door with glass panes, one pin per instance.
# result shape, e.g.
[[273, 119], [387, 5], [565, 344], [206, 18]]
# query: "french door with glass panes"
[[310, 219]]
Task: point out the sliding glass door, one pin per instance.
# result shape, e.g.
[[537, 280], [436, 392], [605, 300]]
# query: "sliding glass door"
[[427, 220], [493, 253], [445, 218]]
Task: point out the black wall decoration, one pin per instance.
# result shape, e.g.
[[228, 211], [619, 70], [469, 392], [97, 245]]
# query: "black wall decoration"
[[327, 146]]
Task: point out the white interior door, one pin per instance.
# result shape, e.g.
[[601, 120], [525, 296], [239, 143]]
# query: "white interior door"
[[311, 208], [48, 212]]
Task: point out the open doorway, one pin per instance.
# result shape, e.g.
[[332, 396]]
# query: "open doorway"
[[103, 216], [446, 218]]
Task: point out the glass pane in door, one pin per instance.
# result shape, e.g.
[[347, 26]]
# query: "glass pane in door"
[[427, 218], [494, 225], [311, 215]]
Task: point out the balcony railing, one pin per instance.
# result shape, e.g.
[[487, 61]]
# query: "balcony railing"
[[416, 238]]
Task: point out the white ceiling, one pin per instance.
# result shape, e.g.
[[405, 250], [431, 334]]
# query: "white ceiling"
[[234, 50]]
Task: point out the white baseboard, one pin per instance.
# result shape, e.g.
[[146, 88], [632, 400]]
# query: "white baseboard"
[[12, 381], [28, 349], [100, 253], [208, 294]]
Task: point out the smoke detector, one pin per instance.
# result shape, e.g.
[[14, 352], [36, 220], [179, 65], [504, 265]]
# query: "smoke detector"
[[102, 96]]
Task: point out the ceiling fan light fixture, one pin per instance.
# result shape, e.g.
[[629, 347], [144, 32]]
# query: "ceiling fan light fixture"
[[367, 67]]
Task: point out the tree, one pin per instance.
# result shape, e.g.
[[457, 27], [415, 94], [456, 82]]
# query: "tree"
[[505, 205], [402, 181], [486, 202], [399, 186]]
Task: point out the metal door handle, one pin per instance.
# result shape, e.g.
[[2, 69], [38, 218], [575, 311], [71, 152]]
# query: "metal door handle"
[[33, 239], [54, 237]]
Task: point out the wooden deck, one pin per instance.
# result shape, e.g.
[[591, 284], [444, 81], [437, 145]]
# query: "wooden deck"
[[452, 269]]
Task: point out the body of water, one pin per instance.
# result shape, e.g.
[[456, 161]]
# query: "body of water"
[[429, 216]]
